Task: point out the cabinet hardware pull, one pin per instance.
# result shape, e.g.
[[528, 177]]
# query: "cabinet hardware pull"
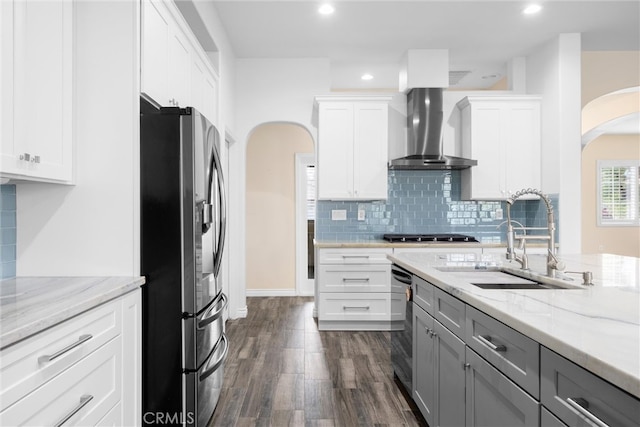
[[355, 307], [355, 256], [355, 279], [49, 357], [581, 405], [466, 366], [486, 340], [84, 399]]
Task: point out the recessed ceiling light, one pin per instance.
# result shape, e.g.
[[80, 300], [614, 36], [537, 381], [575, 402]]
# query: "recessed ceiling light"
[[326, 9], [532, 9], [367, 77]]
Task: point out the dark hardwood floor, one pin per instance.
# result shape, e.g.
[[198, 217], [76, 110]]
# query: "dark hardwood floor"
[[281, 371]]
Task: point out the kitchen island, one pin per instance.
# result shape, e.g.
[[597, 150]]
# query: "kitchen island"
[[595, 327]]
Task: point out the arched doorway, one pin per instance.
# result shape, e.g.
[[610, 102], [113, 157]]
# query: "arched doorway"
[[611, 140], [271, 207]]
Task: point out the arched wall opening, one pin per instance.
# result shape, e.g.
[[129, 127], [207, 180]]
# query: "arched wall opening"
[[271, 207], [610, 132]]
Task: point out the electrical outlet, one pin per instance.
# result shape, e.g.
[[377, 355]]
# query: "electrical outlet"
[[361, 214], [498, 213], [339, 215]]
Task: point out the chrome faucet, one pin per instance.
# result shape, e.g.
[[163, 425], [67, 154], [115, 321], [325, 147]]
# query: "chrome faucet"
[[522, 259], [553, 264]]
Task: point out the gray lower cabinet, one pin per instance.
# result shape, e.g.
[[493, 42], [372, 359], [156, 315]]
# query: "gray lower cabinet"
[[547, 419], [424, 357], [580, 398], [450, 377], [438, 372], [494, 400]]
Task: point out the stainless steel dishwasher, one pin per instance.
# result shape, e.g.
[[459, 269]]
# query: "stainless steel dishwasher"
[[402, 339]]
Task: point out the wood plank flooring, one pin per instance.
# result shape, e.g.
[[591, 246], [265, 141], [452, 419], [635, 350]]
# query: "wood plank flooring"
[[282, 371]]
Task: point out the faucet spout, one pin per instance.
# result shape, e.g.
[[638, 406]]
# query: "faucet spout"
[[553, 264]]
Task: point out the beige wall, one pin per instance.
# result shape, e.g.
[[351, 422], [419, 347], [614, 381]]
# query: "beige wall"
[[606, 72], [270, 202], [603, 73], [614, 240]]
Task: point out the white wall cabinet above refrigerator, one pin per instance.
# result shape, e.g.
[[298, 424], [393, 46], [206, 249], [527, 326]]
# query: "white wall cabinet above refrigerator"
[[175, 70], [352, 148], [36, 92], [503, 134]]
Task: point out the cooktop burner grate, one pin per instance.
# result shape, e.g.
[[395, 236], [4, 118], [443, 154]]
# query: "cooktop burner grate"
[[426, 238]]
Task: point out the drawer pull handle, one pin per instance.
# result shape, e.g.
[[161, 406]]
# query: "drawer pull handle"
[[581, 405], [49, 357], [355, 256], [84, 399], [486, 340], [355, 279], [355, 307]]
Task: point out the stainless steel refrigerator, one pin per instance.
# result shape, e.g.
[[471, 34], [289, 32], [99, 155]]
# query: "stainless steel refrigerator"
[[183, 222]]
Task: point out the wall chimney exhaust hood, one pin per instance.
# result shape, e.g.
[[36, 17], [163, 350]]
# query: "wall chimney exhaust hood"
[[428, 68]]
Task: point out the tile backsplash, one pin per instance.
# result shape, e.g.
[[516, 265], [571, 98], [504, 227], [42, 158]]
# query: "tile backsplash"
[[425, 201], [7, 231]]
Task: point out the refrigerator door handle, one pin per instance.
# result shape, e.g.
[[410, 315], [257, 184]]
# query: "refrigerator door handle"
[[210, 368], [217, 261], [211, 315]]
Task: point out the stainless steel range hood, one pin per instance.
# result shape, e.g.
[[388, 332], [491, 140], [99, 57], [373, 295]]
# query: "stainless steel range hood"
[[424, 142]]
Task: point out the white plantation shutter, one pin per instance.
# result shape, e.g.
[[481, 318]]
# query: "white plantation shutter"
[[618, 188], [311, 192]]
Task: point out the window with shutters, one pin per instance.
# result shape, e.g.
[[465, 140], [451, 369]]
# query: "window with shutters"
[[618, 188]]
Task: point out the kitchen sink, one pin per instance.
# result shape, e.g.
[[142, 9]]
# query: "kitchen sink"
[[504, 278]]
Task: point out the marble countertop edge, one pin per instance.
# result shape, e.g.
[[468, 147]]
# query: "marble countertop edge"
[[18, 326]]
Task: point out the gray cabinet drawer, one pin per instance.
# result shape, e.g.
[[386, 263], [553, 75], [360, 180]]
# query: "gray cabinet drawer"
[[423, 294], [494, 400], [578, 397], [514, 354], [450, 312]]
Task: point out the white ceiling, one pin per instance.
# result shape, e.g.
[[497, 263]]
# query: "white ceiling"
[[371, 36]]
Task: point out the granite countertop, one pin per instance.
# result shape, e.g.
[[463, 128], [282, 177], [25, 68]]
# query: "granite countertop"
[[29, 305], [596, 327]]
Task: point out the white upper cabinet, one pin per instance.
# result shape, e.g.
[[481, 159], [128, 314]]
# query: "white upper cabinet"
[[175, 70], [155, 51], [503, 134], [36, 90], [352, 148]]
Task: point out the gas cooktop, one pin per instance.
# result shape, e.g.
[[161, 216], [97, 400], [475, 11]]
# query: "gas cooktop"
[[427, 238]]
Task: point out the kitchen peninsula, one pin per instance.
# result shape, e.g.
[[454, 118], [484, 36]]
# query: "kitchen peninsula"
[[585, 334]]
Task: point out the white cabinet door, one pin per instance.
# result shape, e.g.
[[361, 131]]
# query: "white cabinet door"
[[370, 151], [37, 77], [352, 149], [179, 67], [503, 135], [522, 166], [155, 51], [335, 151]]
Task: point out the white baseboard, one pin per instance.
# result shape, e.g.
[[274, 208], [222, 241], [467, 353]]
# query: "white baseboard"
[[241, 313], [271, 292]]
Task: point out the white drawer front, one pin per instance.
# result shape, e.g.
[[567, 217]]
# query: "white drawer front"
[[354, 278], [354, 256], [23, 366], [98, 375], [354, 306]]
